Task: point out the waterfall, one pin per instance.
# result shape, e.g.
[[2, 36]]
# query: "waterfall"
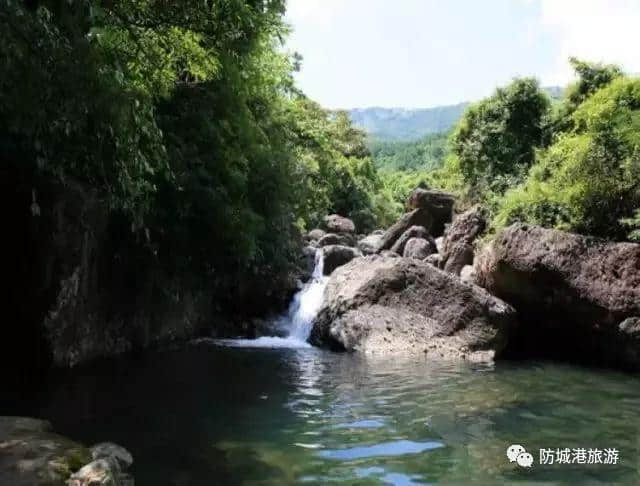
[[298, 321], [306, 303]]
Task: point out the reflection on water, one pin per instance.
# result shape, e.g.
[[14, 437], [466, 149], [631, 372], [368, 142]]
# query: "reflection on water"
[[215, 415]]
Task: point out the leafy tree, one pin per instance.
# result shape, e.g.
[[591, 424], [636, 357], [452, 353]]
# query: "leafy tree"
[[591, 77], [589, 180], [496, 139]]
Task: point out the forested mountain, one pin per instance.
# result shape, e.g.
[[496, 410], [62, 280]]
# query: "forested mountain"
[[406, 123], [414, 123]]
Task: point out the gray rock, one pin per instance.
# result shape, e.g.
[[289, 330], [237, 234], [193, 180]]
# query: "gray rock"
[[458, 244], [467, 274], [419, 248], [308, 260], [398, 305], [337, 255], [417, 217], [389, 254], [315, 234], [439, 243], [334, 239], [369, 244], [575, 294], [439, 204], [434, 260], [106, 450], [335, 223], [101, 472], [30, 454], [413, 232]]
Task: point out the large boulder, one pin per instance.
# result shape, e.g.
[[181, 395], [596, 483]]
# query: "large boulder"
[[458, 242], [438, 203], [400, 305], [335, 223], [417, 217], [335, 239], [578, 297], [413, 232], [315, 234], [337, 255], [369, 244], [419, 248], [31, 454]]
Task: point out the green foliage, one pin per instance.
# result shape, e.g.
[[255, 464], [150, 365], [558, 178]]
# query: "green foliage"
[[496, 139], [426, 154], [334, 170], [185, 118], [589, 180], [591, 77]]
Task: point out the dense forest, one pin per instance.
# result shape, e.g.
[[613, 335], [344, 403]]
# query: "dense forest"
[[175, 137], [528, 154]]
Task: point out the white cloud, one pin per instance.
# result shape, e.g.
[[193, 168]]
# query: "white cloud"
[[595, 30]]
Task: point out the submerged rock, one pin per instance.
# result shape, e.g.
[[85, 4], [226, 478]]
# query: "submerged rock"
[[337, 255], [457, 245], [419, 248], [417, 217], [335, 223], [438, 203], [579, 297], [397, 305]]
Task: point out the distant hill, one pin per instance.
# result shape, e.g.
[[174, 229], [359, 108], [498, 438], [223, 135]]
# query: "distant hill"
[[406, 123], [414, 123]]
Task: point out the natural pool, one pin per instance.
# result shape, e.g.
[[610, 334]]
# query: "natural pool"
[[206, 414]]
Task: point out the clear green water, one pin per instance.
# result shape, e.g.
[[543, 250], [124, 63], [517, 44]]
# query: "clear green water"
[[208, 415]]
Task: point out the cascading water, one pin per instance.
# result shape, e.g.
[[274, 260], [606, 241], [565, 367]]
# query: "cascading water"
[[298, 321]]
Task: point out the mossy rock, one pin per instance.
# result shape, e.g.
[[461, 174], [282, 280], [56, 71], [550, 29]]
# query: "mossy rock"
[[30, 454]]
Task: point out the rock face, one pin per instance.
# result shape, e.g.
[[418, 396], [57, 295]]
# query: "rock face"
[[457, 246], [398, 305], [369, 244], [337, 255], [417, 217], [578, 297], [419, 248], [335, 223], [438, 203], [308, 262], [334, 239], [413, 232]]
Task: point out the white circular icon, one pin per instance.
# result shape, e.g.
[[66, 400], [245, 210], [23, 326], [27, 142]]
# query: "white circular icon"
[[514, 451], [525, 459]]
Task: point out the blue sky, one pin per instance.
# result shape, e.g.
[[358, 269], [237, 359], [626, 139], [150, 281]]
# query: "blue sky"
[[421, 53]]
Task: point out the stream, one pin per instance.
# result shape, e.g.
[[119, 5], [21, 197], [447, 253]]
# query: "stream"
[[278, 411]]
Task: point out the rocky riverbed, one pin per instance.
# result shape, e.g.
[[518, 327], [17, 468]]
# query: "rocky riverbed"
[[427, 284]]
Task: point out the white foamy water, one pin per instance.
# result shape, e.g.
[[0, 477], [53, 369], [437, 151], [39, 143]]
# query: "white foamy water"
[[298, 321]]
